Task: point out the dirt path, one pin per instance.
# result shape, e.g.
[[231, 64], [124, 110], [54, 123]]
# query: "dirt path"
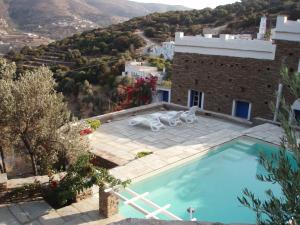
[[149, 43]]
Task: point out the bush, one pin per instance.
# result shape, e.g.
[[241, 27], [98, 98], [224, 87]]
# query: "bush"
[[94, 124], [142, 154], [79, 177]]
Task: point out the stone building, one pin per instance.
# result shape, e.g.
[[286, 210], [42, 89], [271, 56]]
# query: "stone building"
[[234, 76]]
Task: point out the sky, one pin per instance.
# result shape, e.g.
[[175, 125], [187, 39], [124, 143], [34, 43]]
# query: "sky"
[[196, 4]]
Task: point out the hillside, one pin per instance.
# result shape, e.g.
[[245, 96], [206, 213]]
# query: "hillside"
[[61, 18], [4, 26], [87, 66], [240, 17]]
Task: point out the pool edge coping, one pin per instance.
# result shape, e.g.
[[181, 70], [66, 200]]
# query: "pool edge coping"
[[193, 157]]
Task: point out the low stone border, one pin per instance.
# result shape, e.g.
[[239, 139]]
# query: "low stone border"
[[168, 106], [3, 182], [162, 222], [201, 112]]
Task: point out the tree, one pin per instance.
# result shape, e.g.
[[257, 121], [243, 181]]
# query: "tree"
[[283, 169], [6, 73], [38, 119], [122, 43], [149, 32]]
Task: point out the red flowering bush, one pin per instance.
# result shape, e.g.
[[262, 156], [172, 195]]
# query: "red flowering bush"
[[53, 184], [86, 131], [139, 93]]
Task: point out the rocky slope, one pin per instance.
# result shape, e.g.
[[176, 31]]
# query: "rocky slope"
[[61, 18]]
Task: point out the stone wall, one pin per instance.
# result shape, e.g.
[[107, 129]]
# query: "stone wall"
[[108, 204], [223, 79], [3, 182]]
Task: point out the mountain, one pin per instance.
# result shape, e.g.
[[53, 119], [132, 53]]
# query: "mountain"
[[61, 18], [240, 17]]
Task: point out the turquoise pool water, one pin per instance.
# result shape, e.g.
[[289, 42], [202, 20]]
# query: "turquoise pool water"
[[211, 184]]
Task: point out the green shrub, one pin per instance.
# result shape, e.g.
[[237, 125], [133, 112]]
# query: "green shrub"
[[79, 177], [95, 124], [142, 154]]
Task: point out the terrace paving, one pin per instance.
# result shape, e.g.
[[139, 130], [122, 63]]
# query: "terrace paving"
[[175, 155], [119, 142], [40, 213]]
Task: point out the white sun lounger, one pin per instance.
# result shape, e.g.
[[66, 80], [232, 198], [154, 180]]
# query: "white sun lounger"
[[190, 115], [152, 122], [173, 119], [187, 116]]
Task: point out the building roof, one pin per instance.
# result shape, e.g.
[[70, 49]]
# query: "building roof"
[[226, 45]]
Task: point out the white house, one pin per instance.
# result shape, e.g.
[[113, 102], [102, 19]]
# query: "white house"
[[166, 49], [140, 69]]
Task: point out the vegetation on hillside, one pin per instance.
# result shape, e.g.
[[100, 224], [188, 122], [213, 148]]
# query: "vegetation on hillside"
[[86, 66], [58, 19], [239, 17]]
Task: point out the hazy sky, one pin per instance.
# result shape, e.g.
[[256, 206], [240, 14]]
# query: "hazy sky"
[[197, 4]]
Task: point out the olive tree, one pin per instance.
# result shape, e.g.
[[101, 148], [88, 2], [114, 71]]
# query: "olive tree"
[[38, 119], [283, 169], [7, 71]]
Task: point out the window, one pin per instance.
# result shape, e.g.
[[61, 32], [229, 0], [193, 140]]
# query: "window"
[[195, 98], [164, 95], [241, 109], [297, 115]]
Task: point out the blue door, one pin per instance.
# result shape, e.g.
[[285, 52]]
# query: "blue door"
[[165, 96], [195, 98], [242, 109]]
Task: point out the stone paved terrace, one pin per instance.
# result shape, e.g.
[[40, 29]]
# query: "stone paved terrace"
[[119, 142], [85, 212], [173, 156]]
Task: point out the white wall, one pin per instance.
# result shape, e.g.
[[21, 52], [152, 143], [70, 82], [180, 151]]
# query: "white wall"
[[225, 46], [287, 29], [296, 105], [137, 69]]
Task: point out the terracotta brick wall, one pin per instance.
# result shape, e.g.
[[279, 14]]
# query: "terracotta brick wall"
[[223, 79]]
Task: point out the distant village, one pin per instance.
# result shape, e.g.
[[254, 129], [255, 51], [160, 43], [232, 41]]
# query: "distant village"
[[15, 40]]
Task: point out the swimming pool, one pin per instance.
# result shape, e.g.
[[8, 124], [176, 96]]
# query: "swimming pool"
[[210, 184]]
